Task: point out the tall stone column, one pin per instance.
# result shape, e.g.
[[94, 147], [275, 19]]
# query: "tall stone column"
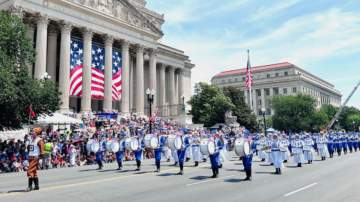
[[51, 52], [255, 102], [176, 87], [16, 10], [125, 78], [86, 71], [162, 93], [41, 41], [30, 33], [109, 39], [131, 87], [181, 72], [172, 85], [140, 80], [263, 102], [64, 72], [246, 96], [152, 72], [271, 94]]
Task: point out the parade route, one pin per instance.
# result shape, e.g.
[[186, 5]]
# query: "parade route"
[[331, 180]]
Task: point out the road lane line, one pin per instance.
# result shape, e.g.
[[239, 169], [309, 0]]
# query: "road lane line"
[[95, 181], [209, 180], [40, 178], [300, 189]]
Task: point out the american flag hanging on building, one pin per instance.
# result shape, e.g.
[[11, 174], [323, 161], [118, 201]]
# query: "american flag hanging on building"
[[97, 72], [249, 80], [76, 65], [116, 75]]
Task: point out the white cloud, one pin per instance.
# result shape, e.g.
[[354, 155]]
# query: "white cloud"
[[266, 12]]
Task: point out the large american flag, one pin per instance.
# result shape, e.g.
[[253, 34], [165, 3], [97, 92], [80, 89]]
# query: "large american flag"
[[76, 65], [97, 72], [249, 80], [116, 75]]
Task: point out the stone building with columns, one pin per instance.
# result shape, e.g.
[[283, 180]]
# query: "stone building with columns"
[[281, 78], [126, 26]]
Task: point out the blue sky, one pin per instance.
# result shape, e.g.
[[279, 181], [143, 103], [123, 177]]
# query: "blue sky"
[[322, 37]]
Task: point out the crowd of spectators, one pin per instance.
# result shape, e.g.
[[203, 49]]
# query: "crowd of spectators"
[[69, 146]]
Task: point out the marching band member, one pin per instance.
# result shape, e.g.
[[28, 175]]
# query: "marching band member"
[[99, 154], [291, 139], [214, 158], [268, 152], [356, 143], [285, 155], [175, 156], [330, 146], [298, 156], [308, 152], [276, 145], [166, 150], [262, 142], [222, 151], [239, 137], [314, 138], [257, 143], [138, 153], [247, 160], [345, 142], [321, 142], [196, 148], [337, 142], [351, 142], [158, 151], [188, 151], [120, 153], [181, 151], [36, 151], [203, 156]]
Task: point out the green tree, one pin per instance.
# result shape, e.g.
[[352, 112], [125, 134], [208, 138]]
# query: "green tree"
[[241, 110], [350, 122], [319, 119], [293, 113], [330, 111], [208, 104], [345, 114], [18, 90], [269, 122]]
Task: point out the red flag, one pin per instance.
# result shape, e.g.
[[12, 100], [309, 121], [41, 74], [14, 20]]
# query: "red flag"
[[32, 114], [249, 80]]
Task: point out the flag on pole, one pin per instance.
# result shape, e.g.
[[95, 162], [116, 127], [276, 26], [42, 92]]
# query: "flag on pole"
[[32, 113], [97, 72], [249, 81], [116, 75]]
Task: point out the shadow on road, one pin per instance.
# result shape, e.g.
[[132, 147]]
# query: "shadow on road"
[[234, 180], [266, 173], [166, 174], [265, 165], [199, 177], [291, 166], [240, 170]]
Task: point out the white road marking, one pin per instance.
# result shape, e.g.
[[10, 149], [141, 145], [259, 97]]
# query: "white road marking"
[[300, 189], [209, 180]]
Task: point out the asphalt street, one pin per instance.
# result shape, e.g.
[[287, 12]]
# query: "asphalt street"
[[335, 179]]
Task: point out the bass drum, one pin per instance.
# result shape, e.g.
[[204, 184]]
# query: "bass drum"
[[151, 142], [95, 146], [174, 142], [112, 146], [131, 144], [207, 147], [242, 148], [88, 145]]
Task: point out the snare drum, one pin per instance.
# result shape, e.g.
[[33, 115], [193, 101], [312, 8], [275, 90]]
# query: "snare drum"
[[112, 146], [151, 142], [296, 150], [207, 147], [131, 144], [307, 148], [321, 146], [242, 148]]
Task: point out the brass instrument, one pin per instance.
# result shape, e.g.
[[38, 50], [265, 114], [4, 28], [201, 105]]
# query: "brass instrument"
[[343, 130]]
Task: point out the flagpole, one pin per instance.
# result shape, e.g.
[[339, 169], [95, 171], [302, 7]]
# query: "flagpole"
[[251, 104], [29, 117]]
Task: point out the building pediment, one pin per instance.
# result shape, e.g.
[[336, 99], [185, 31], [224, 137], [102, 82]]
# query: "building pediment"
[[122, 10]]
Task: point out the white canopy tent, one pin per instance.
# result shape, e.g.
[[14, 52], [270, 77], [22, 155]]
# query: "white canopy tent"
[[57, 119]]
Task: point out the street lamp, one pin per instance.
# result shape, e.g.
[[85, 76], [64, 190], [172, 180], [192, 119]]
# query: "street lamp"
[[150, 101], [183, 105], [354, 125], [263, 111], [46, 76]]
